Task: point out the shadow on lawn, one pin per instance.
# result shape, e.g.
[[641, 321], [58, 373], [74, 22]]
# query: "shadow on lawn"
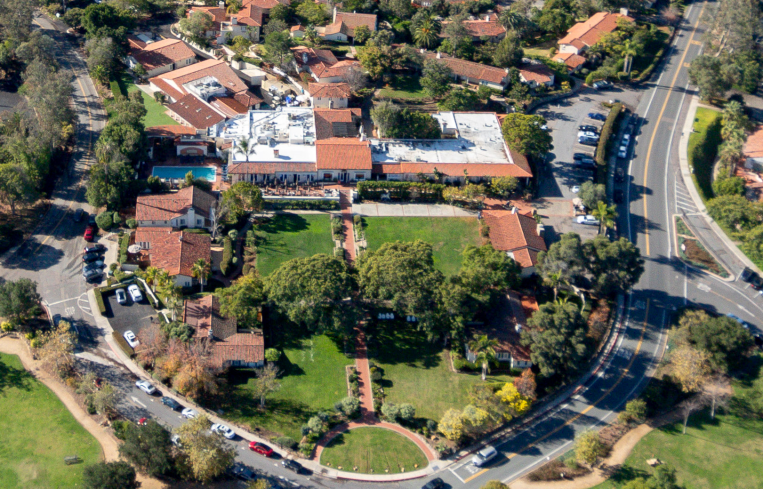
[[12, 377], [238, 399], [397, 342], [280, 223]]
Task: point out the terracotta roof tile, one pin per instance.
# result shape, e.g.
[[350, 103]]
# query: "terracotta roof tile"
[[165, 207], [589, 32], [330, 123], [241, 347], [536, 72], [516, 233], [270, 168], [329, 90], [174, 251], [489, 27], [250, 15], [353, 20], [343, 154], [266, 4], [753, 148], [204, 314], [170, 131], [172, 83], [470, 69], [572, 60], [229, 106], [247, 98], [195, 112]]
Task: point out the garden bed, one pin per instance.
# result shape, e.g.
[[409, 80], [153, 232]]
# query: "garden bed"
[[682, 228], [692, 251]]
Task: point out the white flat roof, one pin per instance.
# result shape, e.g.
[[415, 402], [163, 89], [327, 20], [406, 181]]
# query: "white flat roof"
[[288, 130], [478, 140]]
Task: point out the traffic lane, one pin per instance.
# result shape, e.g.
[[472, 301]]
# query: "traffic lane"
[[722, 297]]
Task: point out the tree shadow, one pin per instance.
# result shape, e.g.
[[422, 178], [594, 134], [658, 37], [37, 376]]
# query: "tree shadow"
[[11, 377], [397, 342], [284, 223]]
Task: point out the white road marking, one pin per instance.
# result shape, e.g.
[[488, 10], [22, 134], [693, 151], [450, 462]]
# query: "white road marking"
[[60, 302], [740, 306], [136, 401], [457, 476], [704, 287]]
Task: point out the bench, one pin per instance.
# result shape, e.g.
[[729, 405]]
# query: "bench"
[[72, 459]]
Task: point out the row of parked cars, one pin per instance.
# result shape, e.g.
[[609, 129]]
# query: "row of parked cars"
[[93, 262]]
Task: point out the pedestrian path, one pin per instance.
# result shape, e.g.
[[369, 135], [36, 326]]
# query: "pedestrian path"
[[345, 204]]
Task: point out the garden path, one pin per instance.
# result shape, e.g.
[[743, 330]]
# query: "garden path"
[[345, 204]]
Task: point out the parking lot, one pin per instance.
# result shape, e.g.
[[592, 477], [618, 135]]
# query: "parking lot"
[[559, 175], [130, 316]]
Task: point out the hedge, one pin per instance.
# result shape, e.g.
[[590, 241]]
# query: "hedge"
[[227, 255], [606, 133], [318, 205], [424, 191], [124, 242], [105, 220], [116, 90], [99, 301]]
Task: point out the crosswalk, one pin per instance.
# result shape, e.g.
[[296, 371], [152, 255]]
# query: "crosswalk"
[[684, 202]]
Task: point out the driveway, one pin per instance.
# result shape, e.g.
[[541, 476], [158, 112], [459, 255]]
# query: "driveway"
[[130, 316]]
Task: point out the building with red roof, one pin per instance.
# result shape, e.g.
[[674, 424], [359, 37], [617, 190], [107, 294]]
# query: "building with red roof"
[[471, 72], [322, 64], [574, 62], [174, 251], [343, 25], [487, 29], [518, 235], [247, 22], [583, 35], [191, 207], [329, 95], [159, 57], [535, 74]]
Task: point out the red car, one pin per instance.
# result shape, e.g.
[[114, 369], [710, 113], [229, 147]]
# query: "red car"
[[89, 234], [260, 448]]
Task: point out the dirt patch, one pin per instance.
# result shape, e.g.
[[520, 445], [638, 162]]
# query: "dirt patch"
[[598, 320]]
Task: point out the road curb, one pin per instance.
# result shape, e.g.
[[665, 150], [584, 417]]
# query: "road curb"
[[683, 159]]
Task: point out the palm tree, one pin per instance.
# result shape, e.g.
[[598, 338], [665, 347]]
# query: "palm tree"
[[245, 147], [730, 152], [426, 33], [733, 114], [152, 273], [174, 301], [606, 214], [555, 280], [484, 349], [511, 20], [311, 34], [201, 270], [629, 51]]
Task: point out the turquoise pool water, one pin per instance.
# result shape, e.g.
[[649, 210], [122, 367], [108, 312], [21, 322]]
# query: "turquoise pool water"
[[167, 172]]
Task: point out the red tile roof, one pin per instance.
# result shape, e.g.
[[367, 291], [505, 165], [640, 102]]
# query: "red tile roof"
[[165, 207], [135, 42], [172, 83], [591, 31], [162, 53], [322, 62], [266, 4], [329, 90], [247, 98], [489, 27], [536, 72], [218, 14], [250, 15], [174, 251], [241, 347], [195, 112], [338, 69], [229, 106], [170, 131], [753, 148], [331, 123], [270, 168], [343, 154], [516, 233], [456, 169], [470, 69], [572, 60], [353, 20]]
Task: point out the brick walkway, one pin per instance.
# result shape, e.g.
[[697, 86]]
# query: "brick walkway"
[[345, 204]]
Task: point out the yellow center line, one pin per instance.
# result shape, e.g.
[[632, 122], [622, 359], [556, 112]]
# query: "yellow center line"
[[475, 475], [659, 119]]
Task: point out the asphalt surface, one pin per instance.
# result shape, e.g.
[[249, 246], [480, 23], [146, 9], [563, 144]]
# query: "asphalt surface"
[[52, 257]]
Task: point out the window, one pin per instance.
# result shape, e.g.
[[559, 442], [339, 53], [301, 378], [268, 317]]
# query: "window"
[[182, 222], [198, 222], [359, 176], [327, 176]]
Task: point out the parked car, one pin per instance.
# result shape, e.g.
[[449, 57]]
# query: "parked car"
[[622, 152], [746, 274], [586, 163], [484, 456], [597, 116], [618, 196], [242, 472], [91, 221], [78, 215], [89, 234], [95, 265], [171, 403], [741, 321], [580, 156], [292, 465], [131, 339], [176, 440], [619, 175], [434, 484], [756, 283], [626, 138], [588, 141], [134, 292], [223, 430], [590, 220], [758, 339], [145, 386], [588, 134], [260, 448], [602, 85], [189, 413], [121, 296], [91, 274], [91, 257], [96, 248], [589, 128], [575, 189]]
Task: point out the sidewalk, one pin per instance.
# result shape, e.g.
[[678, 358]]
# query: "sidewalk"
[[707, 230]]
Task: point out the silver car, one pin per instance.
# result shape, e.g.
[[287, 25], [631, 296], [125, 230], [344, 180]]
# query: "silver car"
[[223, 430], [189, 413], [131, 339], [134, 292]]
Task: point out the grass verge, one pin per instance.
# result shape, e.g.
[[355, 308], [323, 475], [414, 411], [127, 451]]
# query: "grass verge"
[[682, 228], [373, 450], [37, 433], [313, 378], [288, 236], [703, 147], [447, 235], [404, 87], [155, 111]]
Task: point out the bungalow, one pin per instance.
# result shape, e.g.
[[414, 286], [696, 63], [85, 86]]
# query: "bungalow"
[[487, 29], [191, 207], [535, 74], [583, 35], [246, 23], [212, 77], [472, 72], [337, 123], [192, 112], [329, 95], [573, 61], [322, 64], [159, 57], [518, 235], [231, 347], [174, 251], [343, 26], [507, 320], [265, 5]]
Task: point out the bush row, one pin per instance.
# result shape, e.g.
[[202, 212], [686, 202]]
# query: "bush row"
[[316, 205], [124, 242], [227, 255], [401, 190], [606, 133]]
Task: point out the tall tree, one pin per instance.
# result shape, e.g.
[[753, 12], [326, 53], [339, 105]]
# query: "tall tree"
[[309, 291], [266, 382], [592, 193], [615, 266], [690, 367], [375, 59], [148, 448], [588, 447], [706, 72], [566, 257], [278, 49], [201, 270], [426, 33], [19, 300], [16, 187], [508, 52], [556, 335], [725, 341], [484, 351], [197, 25], [384, 116], [524, 135], [109, 181], [243, 299], [110, 475], [56, 349], [436, 78], [208, 454], [606, 214], [486, 271], [242, 197]]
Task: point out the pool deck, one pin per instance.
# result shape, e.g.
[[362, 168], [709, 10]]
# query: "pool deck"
[[148, 169]]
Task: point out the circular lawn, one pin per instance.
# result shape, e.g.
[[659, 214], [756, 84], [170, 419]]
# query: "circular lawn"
[[373, 451]]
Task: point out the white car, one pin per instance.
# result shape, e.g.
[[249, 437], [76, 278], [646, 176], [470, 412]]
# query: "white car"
[[135, 293], [131, 339], [587, 134], [575, 189], [223, 430], [622, 152], [145, 386], [189, 413], [176, 440], [590, 220], [121, 296]]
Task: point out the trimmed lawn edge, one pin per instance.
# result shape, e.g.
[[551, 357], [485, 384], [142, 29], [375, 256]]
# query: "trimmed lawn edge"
[[329, 445]]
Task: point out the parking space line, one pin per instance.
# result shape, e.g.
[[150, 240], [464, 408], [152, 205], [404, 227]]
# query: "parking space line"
[[457, 476]]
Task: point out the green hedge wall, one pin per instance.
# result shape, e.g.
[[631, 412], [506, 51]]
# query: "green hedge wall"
[[317, 205], [227, 255], [606, 133], [421, 191]]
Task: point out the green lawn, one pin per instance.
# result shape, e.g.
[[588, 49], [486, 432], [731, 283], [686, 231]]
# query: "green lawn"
[[723, 453], [313, 379], [447, 235], [156, 112], [289, 236], [703, 147], [37, 433], [416, 371], [373, 450], [403, 87]]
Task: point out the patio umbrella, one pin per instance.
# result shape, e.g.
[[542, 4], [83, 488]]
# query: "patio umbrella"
[[134, 249]]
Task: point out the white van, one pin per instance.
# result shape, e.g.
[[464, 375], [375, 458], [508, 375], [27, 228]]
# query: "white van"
[[484, 455]]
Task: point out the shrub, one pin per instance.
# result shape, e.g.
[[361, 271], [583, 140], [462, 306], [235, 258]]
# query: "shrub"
[[6, 326], [35, 343], [99, 301], [124, 242], [339, 253], [431, 425], [337, 229], [272, 354], [606, 132], [376, 375], [407, 412], [390, 411], [105, 220], [316, 205], [116, 219], [357, 220], [349, 406], [132, 223], [227, 255], [306, 449], [485, 231], [233, 234], [285, 442], [421, 191], [123, 344], [120, 428]]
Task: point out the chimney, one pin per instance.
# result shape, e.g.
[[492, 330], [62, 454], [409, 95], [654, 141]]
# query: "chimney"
[[180, 237], [514, 210], [422, 50], [439, 55], [540, 229], [506, 70], [333, 19], [234, 20], [210, 334], [624, 11], [276, 153], [304, 58]]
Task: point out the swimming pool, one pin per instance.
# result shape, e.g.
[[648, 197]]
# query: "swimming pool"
[[167, 172]]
